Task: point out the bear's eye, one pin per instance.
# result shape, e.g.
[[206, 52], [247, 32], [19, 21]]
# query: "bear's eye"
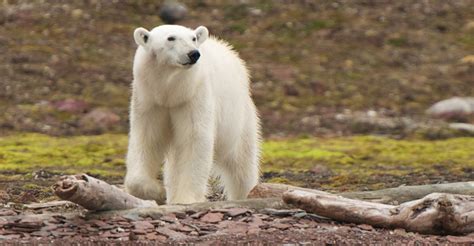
[[194, 39], [171, 38]]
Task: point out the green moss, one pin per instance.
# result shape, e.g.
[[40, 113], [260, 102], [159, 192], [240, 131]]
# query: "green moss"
[[279, 180], [31, 186], [319, 24], [397, 42], [368, 161], [350, 162], [101, 155], [468, 41]]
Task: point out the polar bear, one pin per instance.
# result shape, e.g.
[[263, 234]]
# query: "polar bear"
[[191, 110]]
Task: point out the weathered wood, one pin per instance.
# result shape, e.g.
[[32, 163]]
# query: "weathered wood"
[[437, 213], [395, 195], [41, 205], [95, 194], [407, 193]]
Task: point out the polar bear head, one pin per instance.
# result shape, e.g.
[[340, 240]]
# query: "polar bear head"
[[172, 44]]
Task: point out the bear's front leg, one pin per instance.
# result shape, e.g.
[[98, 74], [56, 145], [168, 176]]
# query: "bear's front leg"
[[191, 154], [149, 133]]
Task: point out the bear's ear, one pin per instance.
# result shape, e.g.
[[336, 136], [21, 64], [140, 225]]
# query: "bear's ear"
[[202, 34], [141, 36]]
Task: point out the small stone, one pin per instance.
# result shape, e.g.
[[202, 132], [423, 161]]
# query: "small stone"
[[465, 127], [468, 60], [26, 225], [77, 13], [212, 217], [7, 212], [233, 212], [255, 11], [180, 215], [456, 108], [71, 106], [139, 231], [155, 237], [99, 119], [256, 222], [170, 233], [236, 227], [291, 90], [172, 12], [170, 218], [366, 227], [400, 231], [321, 170], [198, 214], [143, 225], [182, 228], [253, 230]]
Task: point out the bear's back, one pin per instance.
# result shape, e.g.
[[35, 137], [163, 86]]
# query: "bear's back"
[[225, 69]]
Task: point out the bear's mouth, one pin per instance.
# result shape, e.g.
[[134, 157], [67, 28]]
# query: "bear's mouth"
[[188, 64]]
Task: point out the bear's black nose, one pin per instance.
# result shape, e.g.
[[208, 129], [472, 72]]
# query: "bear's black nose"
[[194, 56]]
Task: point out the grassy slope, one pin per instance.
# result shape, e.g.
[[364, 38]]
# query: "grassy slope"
[[306, 58], [351, 163]]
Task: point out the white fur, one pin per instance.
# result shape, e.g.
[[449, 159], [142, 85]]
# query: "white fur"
[[193, 118]]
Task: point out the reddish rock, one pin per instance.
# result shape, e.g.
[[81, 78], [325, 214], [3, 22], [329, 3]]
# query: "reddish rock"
[[170, 233], [321, 170], [170, 218], [365, 227], [198, 214], [256, 222], [71, 106], [233, 227], [155, 237], [143, 225], [7, 212], [233, 212], [139, 231], [181, 228], [99, 119], [212, 217]]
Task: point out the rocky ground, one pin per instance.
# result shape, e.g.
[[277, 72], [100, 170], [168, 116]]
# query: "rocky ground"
[[214, 227]]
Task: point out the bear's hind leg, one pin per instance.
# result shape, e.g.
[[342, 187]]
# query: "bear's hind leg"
[[239, 172]]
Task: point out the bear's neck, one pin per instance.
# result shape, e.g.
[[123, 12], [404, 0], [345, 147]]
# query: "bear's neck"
[[165, 85]]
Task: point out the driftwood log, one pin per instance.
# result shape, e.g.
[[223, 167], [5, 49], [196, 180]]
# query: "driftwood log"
[[437, 213], [97, 195], [395, 195]]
